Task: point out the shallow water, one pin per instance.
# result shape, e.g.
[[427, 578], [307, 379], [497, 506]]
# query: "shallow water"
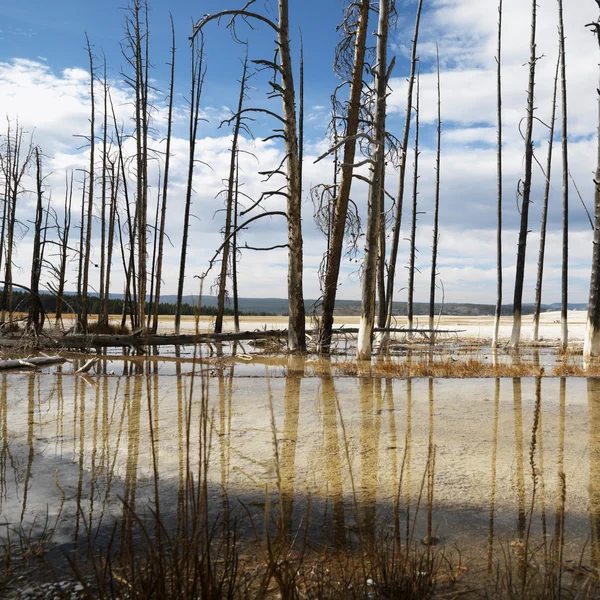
[[470, 461]]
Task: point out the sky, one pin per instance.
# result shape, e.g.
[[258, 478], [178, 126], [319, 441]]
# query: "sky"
[[44, 83]]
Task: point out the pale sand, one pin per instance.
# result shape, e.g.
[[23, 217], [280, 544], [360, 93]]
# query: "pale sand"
[[463, 327]]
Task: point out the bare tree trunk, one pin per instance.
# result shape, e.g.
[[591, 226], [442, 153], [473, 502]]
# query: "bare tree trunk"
[[64, 245], [229, 203], [436, 208], [565, 187], [369, 274], [381, 258], [591, 345], [196, 92], [112, 212], [81, 254], [163, 211], [413, 227], [151, 302], [234, 251], [336, 244], [520, 274], [103, 293], [35, 318], [402, 176], [83, 307], [14, 165], [540, 270], [296, 320], [498, 312]]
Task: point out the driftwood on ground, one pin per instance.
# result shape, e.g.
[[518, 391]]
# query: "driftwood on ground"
[[82, 341], [31, 363]]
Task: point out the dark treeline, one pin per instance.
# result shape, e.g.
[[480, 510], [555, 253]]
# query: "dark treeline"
[[116, 306]]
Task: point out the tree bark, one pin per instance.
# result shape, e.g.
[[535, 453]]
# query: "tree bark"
[[520, 272], [591, 347], [369, 274], [565, 184], [540, 269], [436, 208], [297, 325], [499, 277], [163, 210], [402, 175], [413, 227], [83, 307], [196, 93], [229, 205], [336, 245]]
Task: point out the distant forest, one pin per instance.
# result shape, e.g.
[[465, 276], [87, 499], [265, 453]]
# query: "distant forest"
[[20, 301]]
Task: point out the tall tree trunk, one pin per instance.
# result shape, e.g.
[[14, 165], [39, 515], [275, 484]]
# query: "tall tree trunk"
[[112, 211], [591, 345], [296, 320], [335, 247], [520, 272], [540, 270], [369, 274], [436, 207], [234, 251], [64, 246], [81, 255], [83, 307], [103, 292], [381, 262], [565, 186], [400, 198], [229, 204], [498, 312], [163, 210], [35, 318], [413, 226], [196, 92]]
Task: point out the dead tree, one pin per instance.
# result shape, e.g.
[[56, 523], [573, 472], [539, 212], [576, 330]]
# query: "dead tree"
[[436, 205], [87, 237], [35, 317], [354, 27], [369, 272], [591, 347], [163, 210], [15, 160], [104, 293], [197, 74], [402, 175], [229, 202], [413, 227], [526, 188], [565, 183], [63, 245], [498, 311], [540, 270], [283, 88], [135, 52]]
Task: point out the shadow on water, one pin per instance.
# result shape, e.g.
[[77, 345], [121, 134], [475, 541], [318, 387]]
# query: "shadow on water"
[[493, 467]]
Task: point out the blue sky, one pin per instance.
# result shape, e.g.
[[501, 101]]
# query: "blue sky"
[[43, 80]]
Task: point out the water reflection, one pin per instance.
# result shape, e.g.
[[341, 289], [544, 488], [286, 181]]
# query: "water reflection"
[[467, 463]]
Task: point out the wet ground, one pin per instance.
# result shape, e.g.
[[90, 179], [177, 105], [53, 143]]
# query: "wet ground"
[[476, 464]]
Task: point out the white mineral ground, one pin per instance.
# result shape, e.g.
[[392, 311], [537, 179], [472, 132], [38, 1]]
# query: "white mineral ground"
[[472, 328]]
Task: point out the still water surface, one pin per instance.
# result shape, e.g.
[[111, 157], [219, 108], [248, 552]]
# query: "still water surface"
[[351, 456]]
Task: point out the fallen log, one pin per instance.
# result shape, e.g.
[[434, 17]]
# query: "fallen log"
[[33, 362], [83, 341]]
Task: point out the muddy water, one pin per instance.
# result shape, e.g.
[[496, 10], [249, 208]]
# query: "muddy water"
[[475, 464]]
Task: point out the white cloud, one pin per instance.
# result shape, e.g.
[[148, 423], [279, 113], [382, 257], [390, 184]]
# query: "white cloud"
[[56, 105]]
